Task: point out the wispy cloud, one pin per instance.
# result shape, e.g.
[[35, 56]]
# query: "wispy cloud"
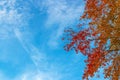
[[32, 75], [61, 14], [10, 18], [13, 22]]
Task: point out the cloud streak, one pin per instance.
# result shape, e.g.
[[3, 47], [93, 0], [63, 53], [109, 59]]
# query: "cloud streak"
[[10, 18], [39, 76], [14, 23], [62, 14], [37, 56]]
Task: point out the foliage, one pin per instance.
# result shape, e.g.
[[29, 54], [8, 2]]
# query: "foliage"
[[104, 30]]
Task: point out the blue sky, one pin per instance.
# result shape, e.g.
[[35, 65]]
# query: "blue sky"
[[30, 40]]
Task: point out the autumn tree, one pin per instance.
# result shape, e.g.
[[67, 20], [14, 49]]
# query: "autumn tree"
[[100, 40]]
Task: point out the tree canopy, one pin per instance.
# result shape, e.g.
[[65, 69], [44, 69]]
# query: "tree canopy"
[[104, 31]]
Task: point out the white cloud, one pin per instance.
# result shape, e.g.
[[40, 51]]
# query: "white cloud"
[[39, 76], [13, 23], [62, 14], [59, 11], [33, 51], [10, 18], [31, 74], [44, 70]]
